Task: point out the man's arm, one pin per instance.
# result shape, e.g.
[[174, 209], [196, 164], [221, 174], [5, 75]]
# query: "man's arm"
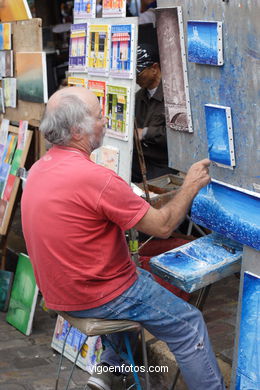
[[161, 223]]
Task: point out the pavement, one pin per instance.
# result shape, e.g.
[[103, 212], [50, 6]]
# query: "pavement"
[[29, 362]]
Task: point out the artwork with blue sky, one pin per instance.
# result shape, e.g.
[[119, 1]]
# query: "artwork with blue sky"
[[248, 368], [220, 135], [205, 42]]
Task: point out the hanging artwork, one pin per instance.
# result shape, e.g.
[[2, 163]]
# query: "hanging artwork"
[[5, 36], [248, 373], [84, 9], [205, 42], [32, 76], [174, 68], [99, 89], [98, 52], [114, 8], [109, 157], [117, 111], [121, 55], [77, 82], [11, 10], [220, 135], [78, 48]]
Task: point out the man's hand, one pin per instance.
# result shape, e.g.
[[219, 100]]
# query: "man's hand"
[[198, 175], [140, 133]]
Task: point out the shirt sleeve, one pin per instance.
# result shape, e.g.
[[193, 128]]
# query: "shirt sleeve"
[[119, 204]]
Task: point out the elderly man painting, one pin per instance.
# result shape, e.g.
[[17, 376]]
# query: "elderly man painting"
[[74, 214]]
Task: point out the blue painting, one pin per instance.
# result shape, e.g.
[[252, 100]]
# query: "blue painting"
[[199, 263], [248, 368], [230, 212], [205, 42], [220, 135]]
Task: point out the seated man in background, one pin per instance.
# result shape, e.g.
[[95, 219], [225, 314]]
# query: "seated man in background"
[[74, 215], [150, 115]]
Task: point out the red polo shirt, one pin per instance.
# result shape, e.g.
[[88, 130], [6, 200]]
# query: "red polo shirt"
[[74, 214]]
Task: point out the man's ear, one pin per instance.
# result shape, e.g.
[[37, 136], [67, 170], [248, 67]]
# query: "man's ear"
[[156, 66], [75, 134]]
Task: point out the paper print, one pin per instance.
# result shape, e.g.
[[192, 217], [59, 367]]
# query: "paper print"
[[98, 61], [121, 54], [78, 48], [99, 89], [117, 111], [77, 82], [91, 349], [114, 8], [32, 77], [22, 133], [109, 157], [205, 42], [220, 135], [84, 9]]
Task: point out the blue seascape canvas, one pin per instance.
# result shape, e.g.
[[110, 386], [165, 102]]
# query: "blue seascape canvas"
[[205, 42], [220, 135], [248, 369], [230, 212]]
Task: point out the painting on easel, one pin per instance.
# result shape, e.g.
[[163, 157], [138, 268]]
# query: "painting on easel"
[[220, 135]]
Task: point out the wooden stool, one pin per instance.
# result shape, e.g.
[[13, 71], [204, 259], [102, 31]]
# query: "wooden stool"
[[197, 265], [99, 327]]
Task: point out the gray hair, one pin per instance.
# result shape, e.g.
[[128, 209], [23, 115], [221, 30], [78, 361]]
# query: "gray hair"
[[70, 113]]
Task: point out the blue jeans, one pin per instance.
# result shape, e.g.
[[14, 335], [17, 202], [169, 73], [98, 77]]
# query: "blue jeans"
[[169, 319]]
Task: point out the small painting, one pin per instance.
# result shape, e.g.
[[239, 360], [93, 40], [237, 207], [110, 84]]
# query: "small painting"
[[23, 296], [117, 111], [114, 8], [109, 157], [205, 42], [99, 89], [121, 61], [98, 49], [84, 9], [78, 48], [32, 77], [220, 135]]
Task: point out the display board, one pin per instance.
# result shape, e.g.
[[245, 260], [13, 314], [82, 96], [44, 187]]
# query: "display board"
[[111, 45], [228, 80]]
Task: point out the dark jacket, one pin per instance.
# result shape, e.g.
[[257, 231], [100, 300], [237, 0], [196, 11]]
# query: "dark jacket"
[[149, 112]]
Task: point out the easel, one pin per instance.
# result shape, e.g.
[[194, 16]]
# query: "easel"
[[27, 37]]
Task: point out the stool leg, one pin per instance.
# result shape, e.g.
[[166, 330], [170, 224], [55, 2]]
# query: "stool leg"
[[131, 360], [61, 358], [144, 351], [75, 361]]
